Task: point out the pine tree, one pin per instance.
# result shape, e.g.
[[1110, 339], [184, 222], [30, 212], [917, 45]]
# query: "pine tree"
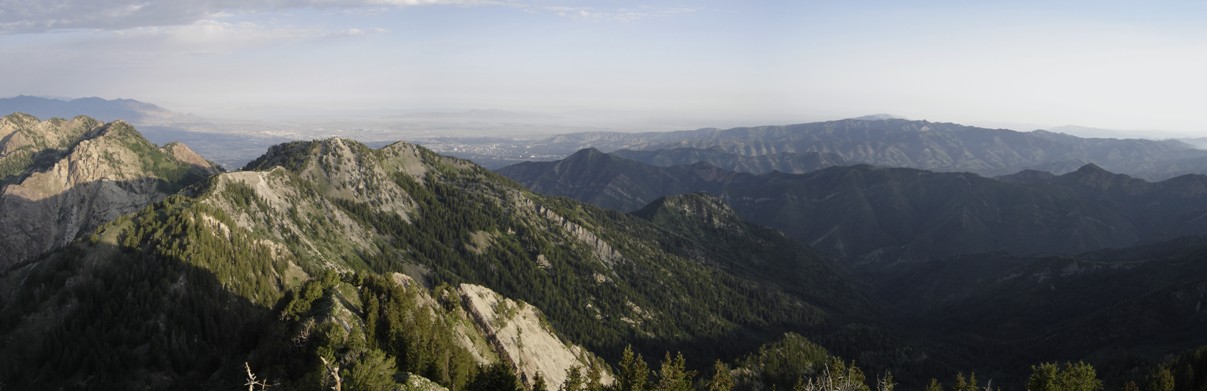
[[673, 374], [574, 380], [885, 383], [496, 377], [538, 383], [722, 380], [934, 385], [1083, 377], [1073, 377], [595, 378], [1044, 377], [374, 372], [634, 373], [1162, 381]]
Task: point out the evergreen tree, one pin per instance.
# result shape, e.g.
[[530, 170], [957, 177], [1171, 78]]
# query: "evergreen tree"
[[673, 374], [594, 378], [839, 376], [966, 384], [934, 385], [1073, 377], [634, 373], [374, 372], [722, 380], [1080, 377], [538, 383], [1044, 377], [1162, 381], [574, 380], [495, 377], [886, 383]]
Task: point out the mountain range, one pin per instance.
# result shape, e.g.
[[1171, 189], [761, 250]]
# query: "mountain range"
[[105, 110], [879, 141], [209, 268], [874, 215], [327, 264]]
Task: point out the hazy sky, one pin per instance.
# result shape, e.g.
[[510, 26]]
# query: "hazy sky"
[[1127, 64]]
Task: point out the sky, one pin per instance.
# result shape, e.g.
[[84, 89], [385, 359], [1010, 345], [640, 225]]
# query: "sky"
[[1110, 64]]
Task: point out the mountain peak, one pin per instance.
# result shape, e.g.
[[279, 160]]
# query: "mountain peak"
[[877, 117], [587, 153], [698, 207], [64, 178], [1094, 176], [1091, 168]]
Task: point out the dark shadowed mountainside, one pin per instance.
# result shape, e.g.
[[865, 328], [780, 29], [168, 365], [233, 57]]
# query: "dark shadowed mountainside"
[[875, 216]]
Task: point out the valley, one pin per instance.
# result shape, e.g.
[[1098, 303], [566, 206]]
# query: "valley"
[[331, 262]]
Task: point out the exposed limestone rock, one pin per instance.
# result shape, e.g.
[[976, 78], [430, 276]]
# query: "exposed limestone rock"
[[600, 247], [184, 154], [75, 186], [526, 341]]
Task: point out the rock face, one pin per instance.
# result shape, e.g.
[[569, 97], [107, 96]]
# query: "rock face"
[[67, 177], [519, 333]]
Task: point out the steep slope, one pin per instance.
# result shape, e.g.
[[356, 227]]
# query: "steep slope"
[[875, 215], [1107, 305], [24, 139], [467, 224], [934, 146], [67, 177], [307, 209], [521, 334], [708, 231]]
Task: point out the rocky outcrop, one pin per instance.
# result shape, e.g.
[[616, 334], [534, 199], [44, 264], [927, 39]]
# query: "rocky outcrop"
[[82, 175], [524, 339]]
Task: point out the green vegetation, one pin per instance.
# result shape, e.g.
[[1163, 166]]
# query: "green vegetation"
[[782, 363], [30, 146], [172, 174], [298, 282], [1071, 377], [496, 377]]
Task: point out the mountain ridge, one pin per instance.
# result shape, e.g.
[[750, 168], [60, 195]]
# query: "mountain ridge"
[[872, 215], [67, 178], [106, 110], [933, 146], [308, 209]]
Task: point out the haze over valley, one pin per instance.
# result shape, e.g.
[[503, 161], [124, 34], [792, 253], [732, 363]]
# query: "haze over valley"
[[585, 196]]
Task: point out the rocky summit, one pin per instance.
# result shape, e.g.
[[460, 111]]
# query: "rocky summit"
[[64, 178]]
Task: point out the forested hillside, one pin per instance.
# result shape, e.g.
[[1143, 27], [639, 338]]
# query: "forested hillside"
[[330, 264], [211, 268]]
